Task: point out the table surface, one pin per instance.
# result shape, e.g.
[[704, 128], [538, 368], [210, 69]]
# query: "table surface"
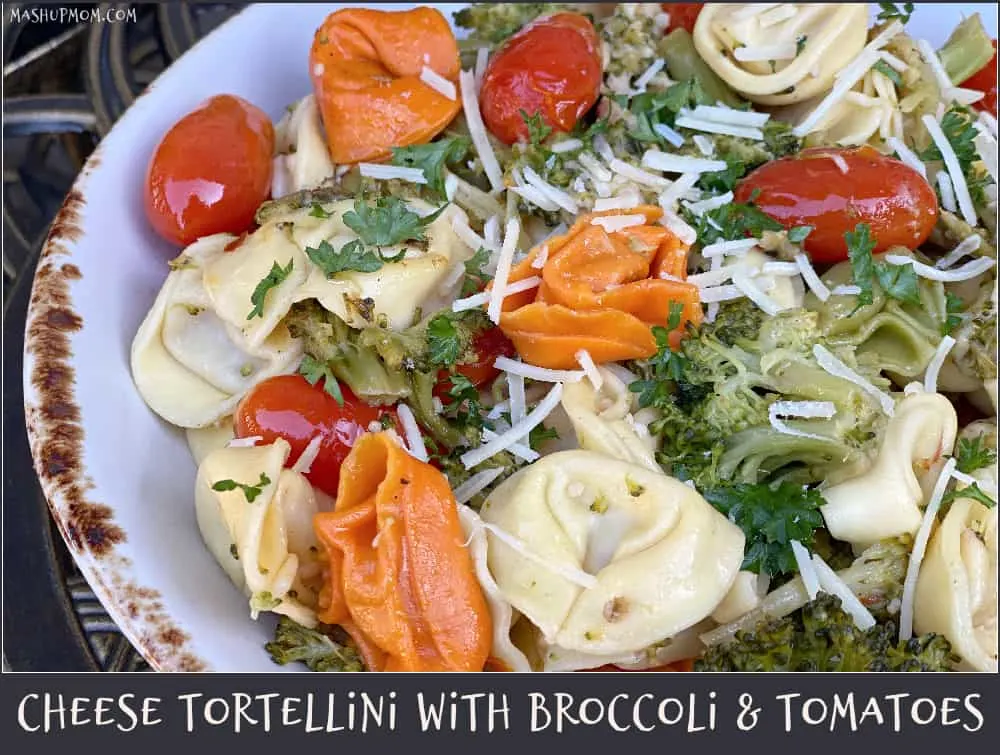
[[65, 83]]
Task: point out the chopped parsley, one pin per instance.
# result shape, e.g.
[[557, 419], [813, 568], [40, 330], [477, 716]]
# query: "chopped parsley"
[[799, 233], [475, 279], [250, 491], [770, 517], [317, 211], [313, 370], [387, 222], [538, 129], [972, 455], [351, 256], [275, 277], [953, 307], [958, 126], [890, 11], [889, 72], [444, 345], [539, 434], [432, 158], [899, 282], [972, 491], [652, 108], [734, 221], [667, 366]]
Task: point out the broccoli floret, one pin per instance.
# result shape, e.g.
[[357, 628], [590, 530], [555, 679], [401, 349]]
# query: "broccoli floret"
[[821, 636], [492, 23], [318, 650], [714, 425]]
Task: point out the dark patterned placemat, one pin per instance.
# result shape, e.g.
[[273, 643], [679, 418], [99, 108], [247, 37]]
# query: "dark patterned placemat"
[[66, 81]]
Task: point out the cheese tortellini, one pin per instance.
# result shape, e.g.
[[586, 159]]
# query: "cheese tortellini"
[[957, 588], [659, 558], [266, 546], [603, 422], [212, 333], [191, 364], [781, 55], [303, 160], [885, 500], [870, 110]]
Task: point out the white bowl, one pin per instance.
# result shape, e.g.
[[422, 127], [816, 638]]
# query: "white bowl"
[[120, 481]]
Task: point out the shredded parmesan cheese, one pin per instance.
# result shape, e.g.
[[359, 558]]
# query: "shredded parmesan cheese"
[[390, 172], [590, 369], [954, 169], [712, 127], [831, 583], [476, 484], [638, 175], [967, 246], [807, 570], [720, 293], [303, 465], [519, 450], [613, 223], [846, 290], [783, 269], [553, 193], [626, 202], [947, 191], [972, 269], [810, 276], [519, 430], [738, 247], [678, 189], [504, 264], [414, 438], [700, 208], [750, 289], [478, 300], [248, 442], [677, 226], [477, 130], [543, 374], [803, 409], [781, 51], [835, 367], [566, 145], [674, 138], [920, 548], [928, 54], [705, 145], [518, 402], [937, 361], [590, 162], [666, 162], [567, 572], [647, 76], [482, 59], [439, 83]]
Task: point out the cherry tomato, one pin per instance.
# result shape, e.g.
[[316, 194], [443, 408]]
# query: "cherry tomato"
[[289, 407], [682, 15], [834, 195], [551, 67], [488, 345], [211, 171], [985, 80]]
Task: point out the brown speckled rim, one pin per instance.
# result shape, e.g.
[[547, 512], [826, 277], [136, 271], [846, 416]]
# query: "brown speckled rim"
[[56, 438]]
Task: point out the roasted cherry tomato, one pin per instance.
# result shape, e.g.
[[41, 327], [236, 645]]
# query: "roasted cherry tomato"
[[289, 407], [833, 190], [552, 67], [488, 345], [211, 171], [985, 80], [682, 15]]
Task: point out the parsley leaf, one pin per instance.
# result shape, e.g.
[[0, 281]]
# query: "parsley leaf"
[[652, 108], [953, 306], [859, 252], [250, 491], [972, 455], [538, 129], [960, 131], [313, 370], [275, 277], [432, 158], [317, 211], [734, 221], [667, 366], [890, 11], [770, 518], [444, 345], [539, 434], [723, 180], [780, 138], [889, 72], [799, 233], [972, 491], [475, 279], [898, 281], [352, 256], [387, 222]]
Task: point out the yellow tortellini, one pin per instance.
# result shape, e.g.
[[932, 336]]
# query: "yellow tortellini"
[[885, 500], [202, 441], [266, 546], [957, 588], [602, 420], [303, 160], [658, 558], [781, 55], [190, 365], [211, 334]]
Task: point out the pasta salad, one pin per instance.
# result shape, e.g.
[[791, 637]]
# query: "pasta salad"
[[613, 337]]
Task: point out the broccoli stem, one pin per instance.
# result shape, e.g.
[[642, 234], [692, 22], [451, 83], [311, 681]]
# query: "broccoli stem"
[[968, 50], [684, 62]]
